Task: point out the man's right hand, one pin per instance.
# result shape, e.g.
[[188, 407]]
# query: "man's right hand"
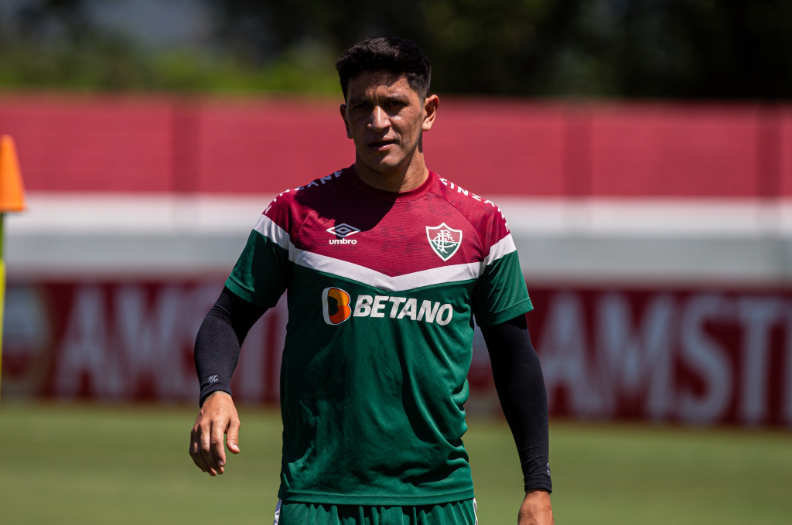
[[217, 417]]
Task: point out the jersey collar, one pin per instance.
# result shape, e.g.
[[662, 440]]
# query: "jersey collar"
[[352, 178]]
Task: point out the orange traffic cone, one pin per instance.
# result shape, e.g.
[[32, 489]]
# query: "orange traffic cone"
[[12, 193]]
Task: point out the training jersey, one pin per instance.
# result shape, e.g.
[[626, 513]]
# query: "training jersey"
[[382, 291]]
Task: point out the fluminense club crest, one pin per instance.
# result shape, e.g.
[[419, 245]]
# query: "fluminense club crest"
[[444, 240]]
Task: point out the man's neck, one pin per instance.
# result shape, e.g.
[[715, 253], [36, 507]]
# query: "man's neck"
[[399, 181]]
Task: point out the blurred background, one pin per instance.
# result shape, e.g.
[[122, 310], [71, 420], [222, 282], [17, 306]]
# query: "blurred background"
[[641, 151]]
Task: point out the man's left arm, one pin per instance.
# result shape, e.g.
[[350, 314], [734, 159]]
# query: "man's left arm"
[[520, 385]]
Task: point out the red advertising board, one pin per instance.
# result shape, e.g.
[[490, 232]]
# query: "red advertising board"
[[690, 356], [242, 145], [694, 356]]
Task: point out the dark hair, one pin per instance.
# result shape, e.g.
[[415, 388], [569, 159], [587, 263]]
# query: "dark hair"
[[386, 53]]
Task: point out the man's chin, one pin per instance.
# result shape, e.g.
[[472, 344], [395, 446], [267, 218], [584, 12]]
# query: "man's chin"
[[382, 166]]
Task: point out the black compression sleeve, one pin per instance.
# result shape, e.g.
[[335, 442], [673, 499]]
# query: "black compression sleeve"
[[520, 385], [219, 341]]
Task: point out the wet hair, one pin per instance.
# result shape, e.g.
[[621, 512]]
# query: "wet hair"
[[386, 53]]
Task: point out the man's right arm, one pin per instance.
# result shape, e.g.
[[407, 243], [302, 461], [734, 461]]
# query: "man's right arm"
[[219, 340], [217, 349], [260, 276]]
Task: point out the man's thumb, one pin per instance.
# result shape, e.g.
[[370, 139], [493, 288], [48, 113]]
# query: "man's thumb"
[[232, 438]]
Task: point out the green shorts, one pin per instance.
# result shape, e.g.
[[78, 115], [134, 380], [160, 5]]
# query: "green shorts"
[[456, 513]]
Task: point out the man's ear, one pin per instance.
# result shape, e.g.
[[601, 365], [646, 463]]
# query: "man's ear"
[[342, 108], [431, 104]]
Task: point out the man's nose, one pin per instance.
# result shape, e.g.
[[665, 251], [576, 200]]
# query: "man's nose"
[[379, 119]]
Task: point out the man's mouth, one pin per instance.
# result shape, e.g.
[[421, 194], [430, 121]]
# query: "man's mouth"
[[380, 145]]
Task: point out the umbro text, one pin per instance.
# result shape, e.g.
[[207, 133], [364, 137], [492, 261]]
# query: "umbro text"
[[342, 241]]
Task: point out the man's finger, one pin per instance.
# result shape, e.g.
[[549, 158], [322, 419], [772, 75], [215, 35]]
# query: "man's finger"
[[206, 451], [195, 453], [232, 439], [199, 462], [218, 447], [193, 449], [198, 454]]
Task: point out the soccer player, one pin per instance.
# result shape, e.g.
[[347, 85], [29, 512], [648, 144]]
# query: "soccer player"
[[387, 265]]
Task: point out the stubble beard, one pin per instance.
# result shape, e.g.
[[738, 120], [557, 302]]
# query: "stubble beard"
[[390, 168]]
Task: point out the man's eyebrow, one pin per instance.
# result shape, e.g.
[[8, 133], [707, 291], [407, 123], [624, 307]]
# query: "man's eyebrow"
[[355, 100], [398, 97]]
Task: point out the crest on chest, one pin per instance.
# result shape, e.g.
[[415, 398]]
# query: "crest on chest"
[[444, 240]]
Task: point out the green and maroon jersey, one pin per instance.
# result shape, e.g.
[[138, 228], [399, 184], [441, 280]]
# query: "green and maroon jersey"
[[382, 292]]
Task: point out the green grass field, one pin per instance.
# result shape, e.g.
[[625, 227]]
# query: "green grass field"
[[64, 464]]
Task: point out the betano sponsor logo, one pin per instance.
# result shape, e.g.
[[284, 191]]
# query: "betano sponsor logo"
[[429, 312], [341, 231], [338, 302]]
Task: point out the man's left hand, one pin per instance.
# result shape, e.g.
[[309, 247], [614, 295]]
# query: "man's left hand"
[[536, 509]]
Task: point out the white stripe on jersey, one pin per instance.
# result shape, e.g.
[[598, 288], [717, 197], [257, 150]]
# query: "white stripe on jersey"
[[399, 283], [503, 247], [267, 227], [440, 275]]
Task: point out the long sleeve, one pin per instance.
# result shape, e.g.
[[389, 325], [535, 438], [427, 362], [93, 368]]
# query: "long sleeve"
[[518, 379], [219, 340]]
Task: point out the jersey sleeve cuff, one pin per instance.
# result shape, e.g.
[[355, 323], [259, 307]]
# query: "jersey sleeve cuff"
[[507, 314], [244, 293]]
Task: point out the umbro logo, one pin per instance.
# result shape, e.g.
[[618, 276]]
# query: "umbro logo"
[[343, 231]]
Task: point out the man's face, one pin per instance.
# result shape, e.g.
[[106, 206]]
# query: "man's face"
[[385, 118]]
